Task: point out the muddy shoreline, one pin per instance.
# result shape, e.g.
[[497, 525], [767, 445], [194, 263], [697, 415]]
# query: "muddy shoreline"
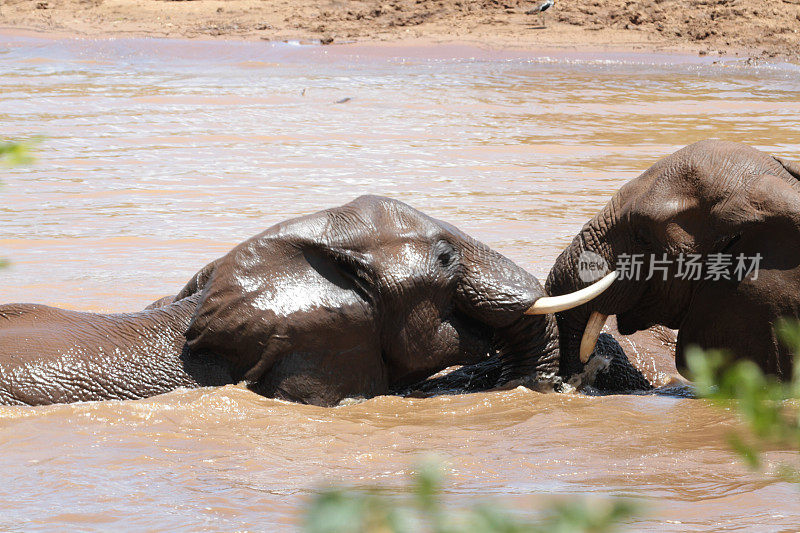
[[758, 29]]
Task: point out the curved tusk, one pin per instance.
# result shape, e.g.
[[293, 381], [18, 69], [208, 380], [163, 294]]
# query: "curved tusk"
[[593, 328], [554, 304]]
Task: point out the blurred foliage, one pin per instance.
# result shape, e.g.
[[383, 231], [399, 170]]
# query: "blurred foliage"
[[16, 153], [12, 154], [767, 407], [373, 511]]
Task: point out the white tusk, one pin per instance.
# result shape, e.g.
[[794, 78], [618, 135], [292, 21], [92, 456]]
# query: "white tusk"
[[593, 328], [554, 304]]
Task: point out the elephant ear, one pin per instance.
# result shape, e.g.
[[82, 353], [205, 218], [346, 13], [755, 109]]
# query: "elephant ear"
[[198, 281], [738, 314], [260, 299], [764, 217], [790, 166], [767, 201]]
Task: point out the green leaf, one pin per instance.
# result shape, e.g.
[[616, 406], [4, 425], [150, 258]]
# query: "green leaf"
[[582, 516], [767, 407], [368, 511], [15, 153], [748, 453]]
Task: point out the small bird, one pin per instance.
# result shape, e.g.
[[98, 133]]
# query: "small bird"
[[544, 6]]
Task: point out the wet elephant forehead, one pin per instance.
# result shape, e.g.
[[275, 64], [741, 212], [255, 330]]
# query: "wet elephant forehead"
[[386, 219]]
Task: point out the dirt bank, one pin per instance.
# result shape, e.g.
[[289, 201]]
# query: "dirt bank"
[[769, 28]]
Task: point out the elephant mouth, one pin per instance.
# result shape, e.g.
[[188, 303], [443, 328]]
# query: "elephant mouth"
[[632, 321], [628, 322], [651, 309], [647, 310]]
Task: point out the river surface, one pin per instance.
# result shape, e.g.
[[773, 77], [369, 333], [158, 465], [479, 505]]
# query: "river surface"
[[158, 156]]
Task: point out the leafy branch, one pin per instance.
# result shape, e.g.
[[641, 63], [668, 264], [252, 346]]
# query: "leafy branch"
[[15, 153], [766, 406], [368, 511], [12, 154]]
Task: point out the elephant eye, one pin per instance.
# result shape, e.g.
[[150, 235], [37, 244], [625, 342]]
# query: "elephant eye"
[[444, 253]]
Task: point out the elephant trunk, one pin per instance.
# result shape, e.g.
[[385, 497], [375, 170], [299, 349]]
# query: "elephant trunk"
[[591, 251], [529, 350], [496, 292]]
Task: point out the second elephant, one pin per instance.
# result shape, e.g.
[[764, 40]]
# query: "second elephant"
[[735, 212]]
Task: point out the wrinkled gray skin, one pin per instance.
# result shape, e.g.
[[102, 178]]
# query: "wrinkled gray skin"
[[358, 300], [709, 197]]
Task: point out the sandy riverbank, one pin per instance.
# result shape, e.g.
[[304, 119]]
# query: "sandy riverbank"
[[757, 28]]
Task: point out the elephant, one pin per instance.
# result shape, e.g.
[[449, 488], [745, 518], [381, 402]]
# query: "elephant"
[[722, 205], [354, 301]]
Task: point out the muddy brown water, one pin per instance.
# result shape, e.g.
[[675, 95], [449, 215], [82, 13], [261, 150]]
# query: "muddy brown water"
[[161, 155]]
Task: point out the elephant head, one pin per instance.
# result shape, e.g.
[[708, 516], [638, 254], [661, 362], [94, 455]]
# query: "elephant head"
[[366, 298], [723, 205]]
